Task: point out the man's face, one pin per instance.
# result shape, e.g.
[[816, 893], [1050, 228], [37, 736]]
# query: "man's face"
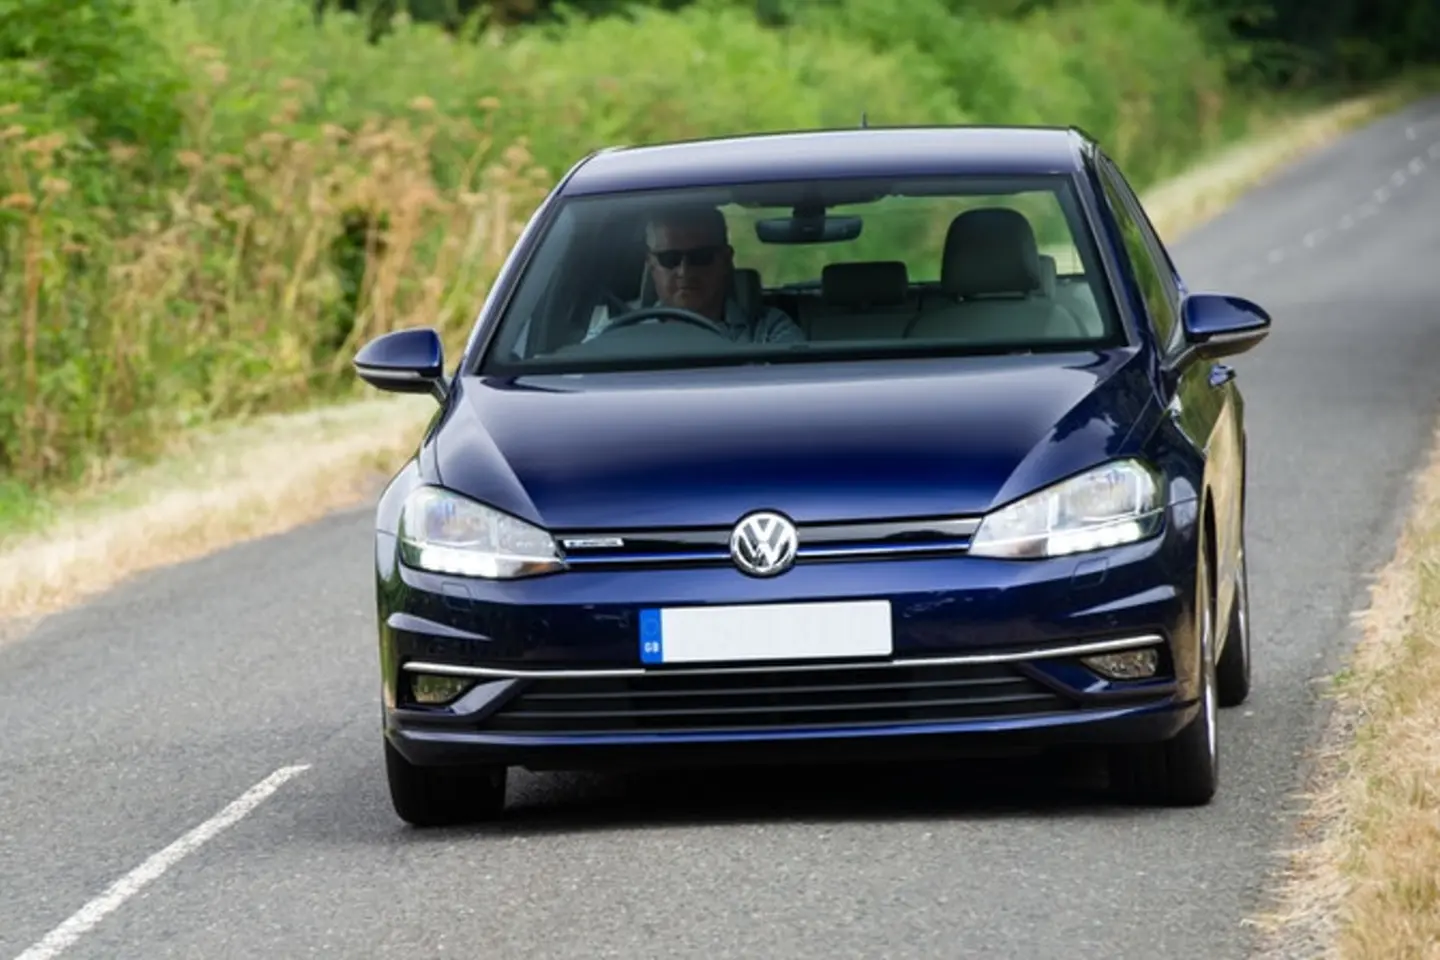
[[697, 280]]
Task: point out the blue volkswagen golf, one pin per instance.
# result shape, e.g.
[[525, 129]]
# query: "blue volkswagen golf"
[[823, 446]]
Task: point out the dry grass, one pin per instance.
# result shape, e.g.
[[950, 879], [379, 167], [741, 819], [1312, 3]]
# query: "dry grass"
[[1365, 881], [247, 481], [287, 469], [1194, 197]]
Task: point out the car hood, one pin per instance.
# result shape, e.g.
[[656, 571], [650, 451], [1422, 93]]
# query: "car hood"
[[818, 442]]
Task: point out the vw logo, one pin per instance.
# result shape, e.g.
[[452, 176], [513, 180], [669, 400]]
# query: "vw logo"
[[764, 544]]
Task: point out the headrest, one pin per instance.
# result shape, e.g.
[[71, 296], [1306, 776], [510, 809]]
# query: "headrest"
[[1047, 275], [991, 250], [868, 283], [746, 285]]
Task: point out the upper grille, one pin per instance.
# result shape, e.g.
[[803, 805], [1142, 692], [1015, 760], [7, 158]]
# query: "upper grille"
[[817, 542]]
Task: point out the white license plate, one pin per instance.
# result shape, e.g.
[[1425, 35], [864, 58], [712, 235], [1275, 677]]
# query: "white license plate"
[[758, 632]]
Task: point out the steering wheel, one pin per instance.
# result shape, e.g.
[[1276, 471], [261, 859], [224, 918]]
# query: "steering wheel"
[[677, 313]]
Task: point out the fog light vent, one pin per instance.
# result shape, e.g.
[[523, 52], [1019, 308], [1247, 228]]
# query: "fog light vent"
[[1126, 665], [433, 689]]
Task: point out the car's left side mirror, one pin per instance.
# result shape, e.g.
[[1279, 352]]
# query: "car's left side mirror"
[[1218, 325], [404, 361]]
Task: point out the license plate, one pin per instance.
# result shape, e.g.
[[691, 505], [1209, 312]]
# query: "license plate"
[[759, 632]]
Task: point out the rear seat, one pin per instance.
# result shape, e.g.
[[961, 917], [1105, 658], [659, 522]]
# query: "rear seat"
[[863, 300]]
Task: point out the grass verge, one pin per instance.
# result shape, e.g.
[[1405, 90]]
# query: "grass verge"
[[1364, 880], [215, 487], [1193, 197]]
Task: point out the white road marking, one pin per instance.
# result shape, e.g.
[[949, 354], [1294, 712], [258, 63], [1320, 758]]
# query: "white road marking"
[[65, 935], [1416, 166]]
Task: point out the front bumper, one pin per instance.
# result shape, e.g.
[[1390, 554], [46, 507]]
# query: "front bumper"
[[988, 655]]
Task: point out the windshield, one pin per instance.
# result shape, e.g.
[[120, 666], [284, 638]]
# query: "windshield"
[[830, 270]]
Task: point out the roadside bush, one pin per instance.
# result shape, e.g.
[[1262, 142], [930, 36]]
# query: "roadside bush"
[[706, 71], [77, 81], [207, 205], [564, 89], [88, 67], [1133, 73]]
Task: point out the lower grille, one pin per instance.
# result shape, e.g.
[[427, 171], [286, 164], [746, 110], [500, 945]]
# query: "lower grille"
[[874, 695]]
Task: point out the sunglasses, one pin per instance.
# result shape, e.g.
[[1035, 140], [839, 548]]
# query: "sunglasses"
[[695, 257]]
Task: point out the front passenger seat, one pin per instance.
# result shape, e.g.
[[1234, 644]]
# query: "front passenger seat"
[[992, 286]]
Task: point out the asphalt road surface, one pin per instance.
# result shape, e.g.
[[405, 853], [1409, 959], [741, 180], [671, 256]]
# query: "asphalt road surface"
[[191, 764]]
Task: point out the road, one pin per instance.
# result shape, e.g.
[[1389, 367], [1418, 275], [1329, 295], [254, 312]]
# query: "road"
[[142, 715]]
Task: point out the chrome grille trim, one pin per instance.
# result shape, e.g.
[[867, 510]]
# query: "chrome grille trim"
[[1015, 656], [824, 541]]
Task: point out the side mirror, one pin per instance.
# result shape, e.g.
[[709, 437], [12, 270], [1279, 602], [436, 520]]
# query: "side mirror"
[[1218, 325], [404, 361]]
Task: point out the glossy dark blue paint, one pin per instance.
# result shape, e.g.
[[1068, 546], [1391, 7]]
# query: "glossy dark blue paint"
[[1223, 324], [830, 155], [837, 441], [911, 438], [417, 350], [404, 361], [942, 606], [962, 605], [429, 740]]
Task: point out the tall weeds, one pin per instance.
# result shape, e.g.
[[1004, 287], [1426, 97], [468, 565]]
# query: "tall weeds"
[[242, 284], [297, 190]]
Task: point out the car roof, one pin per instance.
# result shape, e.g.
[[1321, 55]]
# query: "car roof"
[[833, 154]]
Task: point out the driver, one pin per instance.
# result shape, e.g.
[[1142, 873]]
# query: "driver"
[[690, 261]]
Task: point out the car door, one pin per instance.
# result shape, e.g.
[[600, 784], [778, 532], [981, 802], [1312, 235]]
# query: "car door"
[[1203, 403]]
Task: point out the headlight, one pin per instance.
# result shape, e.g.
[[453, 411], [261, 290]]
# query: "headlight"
[[443, 532], [1108, 506]]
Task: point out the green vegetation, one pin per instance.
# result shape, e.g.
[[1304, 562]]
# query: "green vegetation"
[[207, 205]]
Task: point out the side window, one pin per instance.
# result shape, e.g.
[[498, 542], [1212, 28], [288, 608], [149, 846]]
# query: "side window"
[[1147, 256]]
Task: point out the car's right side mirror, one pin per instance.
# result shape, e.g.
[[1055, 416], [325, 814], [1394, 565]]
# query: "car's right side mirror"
[[1219, 325]]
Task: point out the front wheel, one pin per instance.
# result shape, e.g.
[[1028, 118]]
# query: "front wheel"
[[443, 796], [1183, 771]]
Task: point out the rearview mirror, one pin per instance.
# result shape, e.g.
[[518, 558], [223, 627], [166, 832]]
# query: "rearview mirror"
[[1218, 325], [404, 361], [803, 229]]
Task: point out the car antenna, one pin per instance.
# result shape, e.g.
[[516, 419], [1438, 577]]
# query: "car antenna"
[[864, 121]]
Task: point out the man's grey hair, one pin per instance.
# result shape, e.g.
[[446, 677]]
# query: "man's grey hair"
[[699, 215]]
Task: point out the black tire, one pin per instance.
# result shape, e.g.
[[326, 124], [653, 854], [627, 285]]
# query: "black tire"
[[1183, 771], [444, 796], [1232, 674]]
